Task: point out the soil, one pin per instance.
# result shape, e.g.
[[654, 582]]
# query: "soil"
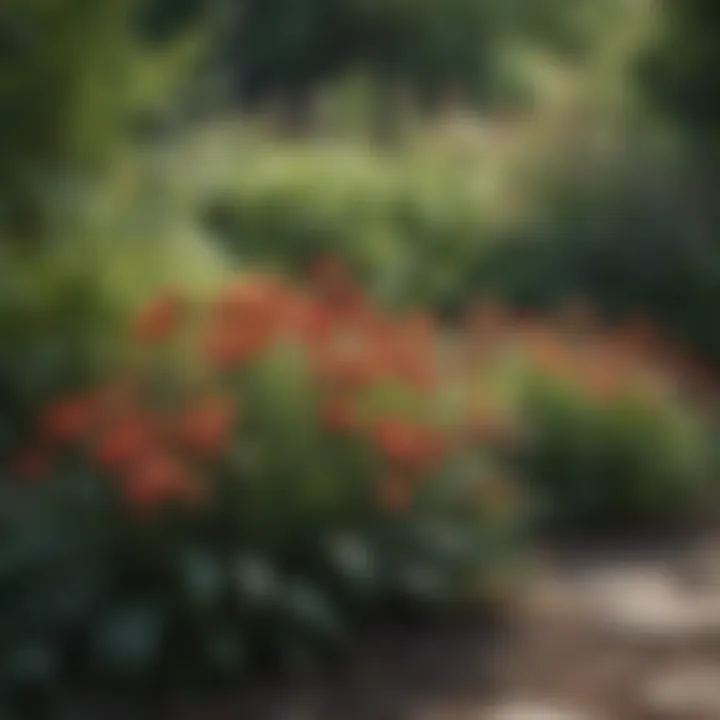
[[613, 631]]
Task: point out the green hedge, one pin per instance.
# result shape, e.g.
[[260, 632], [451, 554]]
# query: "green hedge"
[[412, 227], [429, 229]]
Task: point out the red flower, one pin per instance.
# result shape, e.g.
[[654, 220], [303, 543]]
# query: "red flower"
[[205, 429], [159, 318], [255, 301], [32, 464], [158, 479], [331, 276], [117, 399], [124, 444], [69, 420], [350, 360], [398, 441], [226, 347], [339, 417]]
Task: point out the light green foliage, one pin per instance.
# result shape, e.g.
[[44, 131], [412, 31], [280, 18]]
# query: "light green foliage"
[[76, 81], [630, 461], [413, 227]]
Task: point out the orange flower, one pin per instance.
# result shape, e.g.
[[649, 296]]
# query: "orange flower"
[[205, 429], [69, 420], [421, 327], [331, 276], [417, 369], [158, 479], [32, 464], [257, 301], [124, 444], [226, 347], [408, 444], [159, 318], [339, 417], [349, 361], [316, 323], [117, 399]]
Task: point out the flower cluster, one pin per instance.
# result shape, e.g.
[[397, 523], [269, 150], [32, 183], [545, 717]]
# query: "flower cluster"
[[578, 348], [350, 348]]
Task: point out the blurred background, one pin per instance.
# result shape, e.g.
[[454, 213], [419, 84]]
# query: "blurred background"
[[536, 150], [532, 150], [560, 158]]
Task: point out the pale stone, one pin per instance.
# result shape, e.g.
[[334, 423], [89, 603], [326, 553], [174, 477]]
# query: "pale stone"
[[685, 693], [645, 603], [534, 711]]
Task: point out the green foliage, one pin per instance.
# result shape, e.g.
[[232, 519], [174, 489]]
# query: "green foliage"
[[76, 81], [631, 240], [413, 228], [289, 555], [287, 47], [682, 71], [634, 460], [55, 323]]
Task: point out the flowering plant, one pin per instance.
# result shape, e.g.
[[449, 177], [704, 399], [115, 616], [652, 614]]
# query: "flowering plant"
[[260, 469], [619, 432]]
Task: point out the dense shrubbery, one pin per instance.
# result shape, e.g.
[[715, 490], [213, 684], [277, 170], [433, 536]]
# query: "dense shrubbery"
[[632, 240], [615, 439], [261, 471], [257, 474], [56, 328], [425, 232], [412, 228]]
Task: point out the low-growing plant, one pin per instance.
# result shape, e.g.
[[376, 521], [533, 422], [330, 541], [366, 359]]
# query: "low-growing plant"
[[618, 439], [260, 472]]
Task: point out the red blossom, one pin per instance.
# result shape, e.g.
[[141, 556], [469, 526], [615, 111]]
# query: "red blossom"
[[68, 420], [205, 429], [123, 444], [339, 417], [158, 479], [159, 318], [33, 463]]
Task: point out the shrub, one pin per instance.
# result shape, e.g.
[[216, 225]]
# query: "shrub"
[[616, 437], [55, 331], [630, 238], [262, 471], [412, 227]]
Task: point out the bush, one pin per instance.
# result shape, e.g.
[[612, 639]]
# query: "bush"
[[263, 471], [616, 438], [412, 227], [421, 227], [631, 239], [55, 331]]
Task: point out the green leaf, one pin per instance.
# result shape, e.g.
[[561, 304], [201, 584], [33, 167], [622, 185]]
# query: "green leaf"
[[354, 560], [256, 581], [313, 610], [31, 663], [225, 652], [202, 578], [129, 640]]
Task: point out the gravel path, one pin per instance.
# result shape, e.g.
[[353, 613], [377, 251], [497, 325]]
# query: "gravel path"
[[598, 634]]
